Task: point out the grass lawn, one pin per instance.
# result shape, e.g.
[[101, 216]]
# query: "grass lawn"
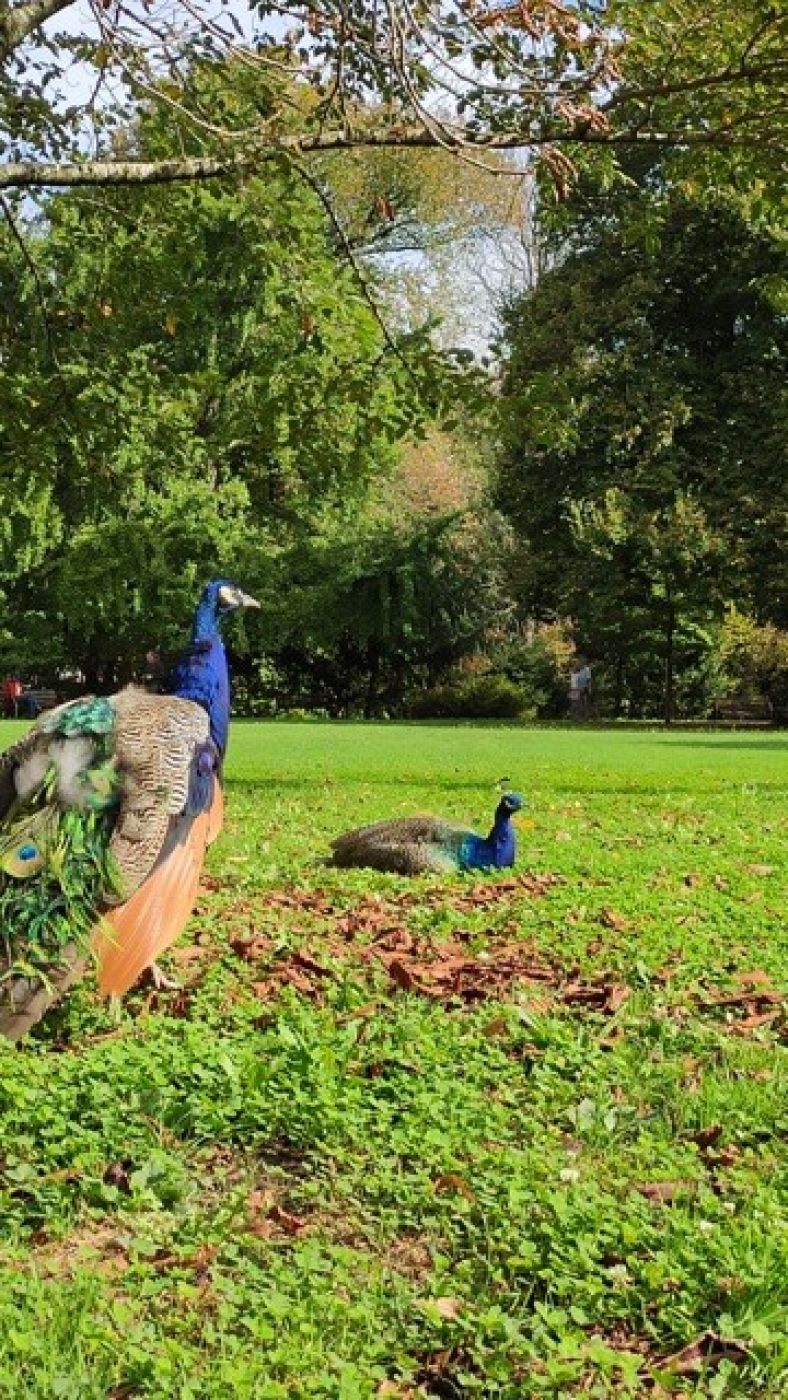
[[507, 1137]]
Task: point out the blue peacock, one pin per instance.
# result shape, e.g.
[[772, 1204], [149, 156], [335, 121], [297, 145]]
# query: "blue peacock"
[[107, 806], [415, 845]]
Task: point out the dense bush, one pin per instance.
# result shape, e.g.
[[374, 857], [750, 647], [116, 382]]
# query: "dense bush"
[[539, 667], [478, 697], [753, 658]]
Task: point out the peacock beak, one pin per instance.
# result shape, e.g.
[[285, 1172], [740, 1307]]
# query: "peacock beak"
[[245, 600]]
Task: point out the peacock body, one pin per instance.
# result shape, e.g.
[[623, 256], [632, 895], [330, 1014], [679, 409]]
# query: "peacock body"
[[106, 807], [416, 845]]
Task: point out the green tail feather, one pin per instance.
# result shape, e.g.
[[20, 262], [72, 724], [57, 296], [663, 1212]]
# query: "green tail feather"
[[56, 870]]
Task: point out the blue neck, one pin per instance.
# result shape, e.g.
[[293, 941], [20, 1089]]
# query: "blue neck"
[[205, 623], [203, 675], [496, 851], [501, 840]]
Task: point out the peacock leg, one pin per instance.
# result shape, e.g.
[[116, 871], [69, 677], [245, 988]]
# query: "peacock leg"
[[162, 983]]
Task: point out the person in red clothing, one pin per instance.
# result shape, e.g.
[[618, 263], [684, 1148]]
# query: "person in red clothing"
[[12, 691]]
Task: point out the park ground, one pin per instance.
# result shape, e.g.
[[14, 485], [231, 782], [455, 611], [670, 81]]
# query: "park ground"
[[515, 1136]]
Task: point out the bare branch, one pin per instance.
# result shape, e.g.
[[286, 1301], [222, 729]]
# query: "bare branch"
[[7, 213], [348, 250]]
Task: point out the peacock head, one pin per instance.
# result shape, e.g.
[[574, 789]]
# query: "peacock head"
[[219, 597], [510, 803], [229, 596], [223, 596]]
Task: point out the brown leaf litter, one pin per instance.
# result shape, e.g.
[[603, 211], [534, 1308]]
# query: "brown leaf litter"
[[763, 1005], [705, 1353], [448, 971]]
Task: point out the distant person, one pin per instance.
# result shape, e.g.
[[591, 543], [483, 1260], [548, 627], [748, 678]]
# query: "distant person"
[[12, 693], [29, 705], [580, 689]]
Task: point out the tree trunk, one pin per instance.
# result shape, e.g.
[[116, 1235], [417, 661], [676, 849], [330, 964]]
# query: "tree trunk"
[[372, 702], [618, 697], [670, 632]]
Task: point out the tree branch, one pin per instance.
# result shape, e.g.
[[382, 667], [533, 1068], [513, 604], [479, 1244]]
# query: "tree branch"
[[19, 21], [777, 68], [33, 270], [41, 175]]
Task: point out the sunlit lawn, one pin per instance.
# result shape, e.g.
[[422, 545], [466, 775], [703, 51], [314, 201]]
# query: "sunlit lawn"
[[492, 1137]]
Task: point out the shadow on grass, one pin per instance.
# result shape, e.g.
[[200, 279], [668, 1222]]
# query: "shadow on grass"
[[759, 744]]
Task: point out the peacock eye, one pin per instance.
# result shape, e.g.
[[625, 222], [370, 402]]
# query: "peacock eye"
[[28, 853]]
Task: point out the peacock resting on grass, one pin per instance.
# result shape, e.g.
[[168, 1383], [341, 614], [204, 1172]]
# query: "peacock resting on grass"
[[413, 845], [106, 807]]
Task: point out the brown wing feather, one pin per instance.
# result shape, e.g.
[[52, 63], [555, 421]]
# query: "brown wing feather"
[[402, 831], [131, 937], [399, 858], [155, 739]]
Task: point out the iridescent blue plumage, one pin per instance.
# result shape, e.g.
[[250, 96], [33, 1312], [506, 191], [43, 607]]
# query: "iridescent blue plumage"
[[203, 675], [497, 850]]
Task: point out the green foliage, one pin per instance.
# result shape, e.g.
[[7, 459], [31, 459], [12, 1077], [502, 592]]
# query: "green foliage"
[[477, 697], [220, 383], [643, 426], [587, 79], [371, 610], [754, 658], [539, 667]]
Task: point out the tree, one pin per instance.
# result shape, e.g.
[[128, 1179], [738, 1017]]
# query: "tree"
[[553, 76], [650, 363], [389, 607], [658, 576], [205, 386]]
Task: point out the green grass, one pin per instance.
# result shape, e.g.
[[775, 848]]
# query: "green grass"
[[312, 1171]]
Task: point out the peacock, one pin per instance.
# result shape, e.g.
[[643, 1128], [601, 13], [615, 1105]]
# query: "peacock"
[[106, 808], [414, 845]]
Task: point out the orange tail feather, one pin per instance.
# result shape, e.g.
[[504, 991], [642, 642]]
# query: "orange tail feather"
[[131, 937]]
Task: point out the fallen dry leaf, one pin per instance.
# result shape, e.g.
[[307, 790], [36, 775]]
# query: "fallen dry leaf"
[[496, 1028], [707, 1350], [118, 1174], [190, 952], [287, 1221], [250, 949], [706, 1137], [756, 977], [445, 1307], [754, 1023], [726, 1156], [199, 1262], [765, 997], [311, 964], [663, 1192], [611, 919], [264, 1213], [453, 1182]]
